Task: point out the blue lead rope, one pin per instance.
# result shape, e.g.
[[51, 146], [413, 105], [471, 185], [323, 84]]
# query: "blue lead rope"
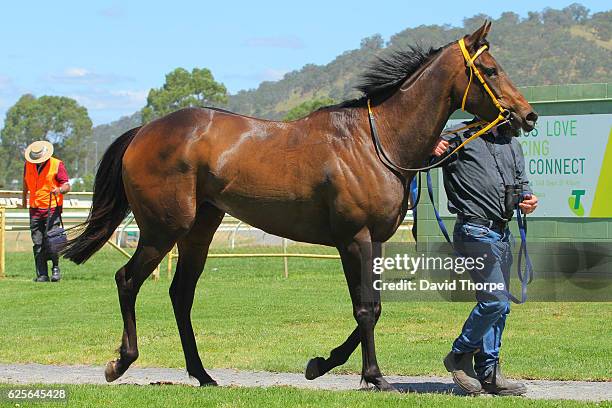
[[524, 277], [431, 198]]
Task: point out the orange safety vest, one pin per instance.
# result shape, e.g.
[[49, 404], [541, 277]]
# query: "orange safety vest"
[[41, 184]]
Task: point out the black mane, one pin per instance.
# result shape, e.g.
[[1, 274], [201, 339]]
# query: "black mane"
[[389, 71], [386, 73]]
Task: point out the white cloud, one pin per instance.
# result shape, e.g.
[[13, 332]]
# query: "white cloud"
[[84, 75], [76, 72], [101, 99], [138, 97]]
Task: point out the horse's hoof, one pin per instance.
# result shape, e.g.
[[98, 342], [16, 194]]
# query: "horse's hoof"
[[380, 384], [110, 372], [312, 368], [211, 383], [386, 387], [364, 385]]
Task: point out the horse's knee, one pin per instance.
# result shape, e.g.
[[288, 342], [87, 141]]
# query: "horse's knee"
[[120, 277], [364, 316]]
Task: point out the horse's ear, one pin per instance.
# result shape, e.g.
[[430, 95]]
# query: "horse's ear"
[[477, 38]]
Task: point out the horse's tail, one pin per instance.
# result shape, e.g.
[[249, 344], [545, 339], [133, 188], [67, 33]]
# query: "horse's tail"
[[109, 204]]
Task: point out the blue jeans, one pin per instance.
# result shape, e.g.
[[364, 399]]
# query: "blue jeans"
[[483, 328]]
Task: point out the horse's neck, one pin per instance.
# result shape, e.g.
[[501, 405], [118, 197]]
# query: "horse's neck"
[[413, 117]]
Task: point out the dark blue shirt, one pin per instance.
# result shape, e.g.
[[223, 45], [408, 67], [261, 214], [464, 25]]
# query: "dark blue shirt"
[[476, 176]]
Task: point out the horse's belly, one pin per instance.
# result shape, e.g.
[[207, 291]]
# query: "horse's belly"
[[303, 221]]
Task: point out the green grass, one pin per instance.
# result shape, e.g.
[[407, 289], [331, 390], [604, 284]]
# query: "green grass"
[[170, 396], [247, 316]]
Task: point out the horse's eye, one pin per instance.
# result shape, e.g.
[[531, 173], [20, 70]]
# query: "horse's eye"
[[490, 71]]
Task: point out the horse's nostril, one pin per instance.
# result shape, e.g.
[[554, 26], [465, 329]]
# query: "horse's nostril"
[[531, 117]]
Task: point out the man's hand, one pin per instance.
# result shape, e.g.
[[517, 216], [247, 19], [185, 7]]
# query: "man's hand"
[[529, 204], [440, 148], [63, 189]]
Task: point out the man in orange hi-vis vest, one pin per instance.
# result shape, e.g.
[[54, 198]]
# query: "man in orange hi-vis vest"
[[46, 179]]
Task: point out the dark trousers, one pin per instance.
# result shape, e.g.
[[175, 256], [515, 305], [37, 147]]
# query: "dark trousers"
[[38, 230]]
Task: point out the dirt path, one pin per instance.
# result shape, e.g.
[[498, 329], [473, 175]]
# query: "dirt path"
[[37, 373]]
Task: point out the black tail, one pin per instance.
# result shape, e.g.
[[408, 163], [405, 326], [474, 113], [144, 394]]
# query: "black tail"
[[109, 205]]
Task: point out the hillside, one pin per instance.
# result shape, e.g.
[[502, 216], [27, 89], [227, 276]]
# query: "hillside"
[[548, 47]]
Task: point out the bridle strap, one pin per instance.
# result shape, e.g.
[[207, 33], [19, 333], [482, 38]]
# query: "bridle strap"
[[469, 62]]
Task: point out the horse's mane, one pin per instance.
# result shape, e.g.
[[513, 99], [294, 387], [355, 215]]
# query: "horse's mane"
[[382, 76], [387, 72]]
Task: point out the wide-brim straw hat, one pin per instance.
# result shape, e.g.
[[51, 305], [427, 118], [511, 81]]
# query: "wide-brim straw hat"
[[39, 152]]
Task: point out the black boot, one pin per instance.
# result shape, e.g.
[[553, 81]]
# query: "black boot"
[[461, 366], [496, 383], [55, 274], [42, 271]]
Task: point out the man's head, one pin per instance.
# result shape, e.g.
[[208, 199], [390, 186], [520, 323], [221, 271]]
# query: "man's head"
[[38, 152]]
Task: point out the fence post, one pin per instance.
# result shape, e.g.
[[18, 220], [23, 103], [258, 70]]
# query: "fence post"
[[170, 256], [2, 240], [285, 258]]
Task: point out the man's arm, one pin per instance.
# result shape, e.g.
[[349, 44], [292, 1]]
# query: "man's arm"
[[62, 179], [521, 178], [530, 201]]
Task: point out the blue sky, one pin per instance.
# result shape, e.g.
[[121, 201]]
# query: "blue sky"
[[107, 55]]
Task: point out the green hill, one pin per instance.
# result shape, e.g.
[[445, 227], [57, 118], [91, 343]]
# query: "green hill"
[[547, 47]]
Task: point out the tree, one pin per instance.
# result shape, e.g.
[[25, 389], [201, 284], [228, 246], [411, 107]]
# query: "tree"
[[307, 107], [184, 89], [60, 120], [372, 43]]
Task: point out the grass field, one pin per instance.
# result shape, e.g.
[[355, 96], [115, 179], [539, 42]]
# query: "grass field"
[[247, 316], [183, 396]]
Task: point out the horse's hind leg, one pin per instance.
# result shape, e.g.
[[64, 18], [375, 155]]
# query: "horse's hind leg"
[[193, 249], [130, 278], [319, 366]]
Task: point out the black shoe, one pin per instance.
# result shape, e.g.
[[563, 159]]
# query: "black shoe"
[[55, 274], [496, 383], [42, 278]]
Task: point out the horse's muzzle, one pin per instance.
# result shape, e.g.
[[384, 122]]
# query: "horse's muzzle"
[[527, 123]]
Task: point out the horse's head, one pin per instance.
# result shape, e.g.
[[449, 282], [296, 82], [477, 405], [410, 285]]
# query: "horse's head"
[[502, 97]]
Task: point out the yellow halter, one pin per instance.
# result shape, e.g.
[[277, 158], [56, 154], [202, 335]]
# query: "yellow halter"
[[469, 62]]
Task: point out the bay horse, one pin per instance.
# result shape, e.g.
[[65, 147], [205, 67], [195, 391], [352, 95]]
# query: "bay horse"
[[318, 179]]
